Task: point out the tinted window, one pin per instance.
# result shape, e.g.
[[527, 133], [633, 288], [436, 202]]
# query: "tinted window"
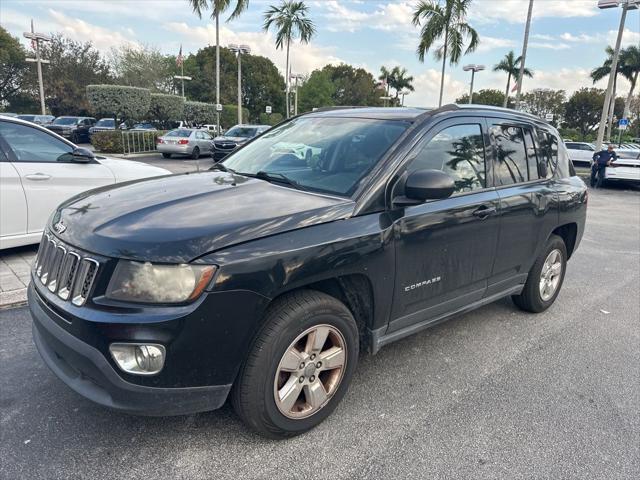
[[548, 153], [573, 146], [511, 156], [532, 158], [32, 145], [179, 133], [106, 122], [65, 121], [28, 118], [241, 132], [457, 151], [323, 154]]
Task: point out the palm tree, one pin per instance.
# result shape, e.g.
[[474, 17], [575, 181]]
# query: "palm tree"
[[511, 66], [631, 70], [218, 7], [444, 19], [291, 22], [401, 81]]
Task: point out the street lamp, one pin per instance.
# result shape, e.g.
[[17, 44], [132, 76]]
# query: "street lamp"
[[474, 68], [296, 77], [239, 50], [626, 5], [36, 38]]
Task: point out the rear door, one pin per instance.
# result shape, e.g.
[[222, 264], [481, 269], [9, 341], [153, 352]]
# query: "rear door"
[[528, 204], [445, 248], [47, 172]]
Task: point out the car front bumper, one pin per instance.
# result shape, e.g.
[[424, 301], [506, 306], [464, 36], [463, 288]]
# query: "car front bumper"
[[86, 370]]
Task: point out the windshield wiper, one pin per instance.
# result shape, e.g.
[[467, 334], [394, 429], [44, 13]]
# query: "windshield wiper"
[[274, 177]]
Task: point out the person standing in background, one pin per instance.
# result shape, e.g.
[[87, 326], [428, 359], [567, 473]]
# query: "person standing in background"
[[601, 160]]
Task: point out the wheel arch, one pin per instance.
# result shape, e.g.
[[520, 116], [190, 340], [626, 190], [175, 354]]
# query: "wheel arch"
[[569, 234]]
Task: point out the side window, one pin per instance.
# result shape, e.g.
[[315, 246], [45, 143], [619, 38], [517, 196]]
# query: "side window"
[[31, 145], [532, 158], [510, 154], [548, 156], [458, 151], [572, 146]]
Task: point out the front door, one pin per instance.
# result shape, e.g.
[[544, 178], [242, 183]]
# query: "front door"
[[48, 174], [445, 248]]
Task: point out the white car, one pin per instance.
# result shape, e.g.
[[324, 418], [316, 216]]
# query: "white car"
[[580, 152], [626, 167], [39, 170]]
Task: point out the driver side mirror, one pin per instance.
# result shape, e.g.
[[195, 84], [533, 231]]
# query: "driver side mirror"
[[423, 185], [82, 155]]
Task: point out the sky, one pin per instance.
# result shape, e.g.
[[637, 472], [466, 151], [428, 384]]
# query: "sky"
[[567, 37]]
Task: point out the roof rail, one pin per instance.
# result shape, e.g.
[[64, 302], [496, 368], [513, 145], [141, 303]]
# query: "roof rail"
[[338, 107]]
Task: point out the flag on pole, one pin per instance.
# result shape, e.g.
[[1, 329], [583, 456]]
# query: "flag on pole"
[[515, 86], [180, 58]]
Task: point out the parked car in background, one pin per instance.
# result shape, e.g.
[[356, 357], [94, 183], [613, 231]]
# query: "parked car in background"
[[8, 114], [185, 141], [39, 169], [580, 153], [38, 119], [75, 129], [102, 125], [262, 279], [626, 167], [211, 128], [143, 127], [235, 137]]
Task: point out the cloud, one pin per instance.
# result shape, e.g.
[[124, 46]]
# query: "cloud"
[[515, 11], [549, 45], [427, 89], [303, 58], [489, 43], [392, 16]]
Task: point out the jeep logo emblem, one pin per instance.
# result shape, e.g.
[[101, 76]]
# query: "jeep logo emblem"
[[59, 227]]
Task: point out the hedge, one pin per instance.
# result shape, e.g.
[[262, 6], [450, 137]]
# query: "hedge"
[[199, 113], [165, 108], [121, 102], [110, 141], [229, 116]]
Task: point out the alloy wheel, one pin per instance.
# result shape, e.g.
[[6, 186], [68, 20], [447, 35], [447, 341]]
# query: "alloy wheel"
[[310, 371], [550, 275]]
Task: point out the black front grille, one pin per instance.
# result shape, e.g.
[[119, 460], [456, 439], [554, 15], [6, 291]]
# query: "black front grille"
[[224, 145], [65, 272]]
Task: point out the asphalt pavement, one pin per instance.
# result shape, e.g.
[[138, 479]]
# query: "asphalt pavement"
[[496, 393]]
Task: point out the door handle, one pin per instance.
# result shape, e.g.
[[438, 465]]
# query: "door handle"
[[38, 176], [484, 212]]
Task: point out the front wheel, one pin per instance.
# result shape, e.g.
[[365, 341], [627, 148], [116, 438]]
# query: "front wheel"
[[545, 277], [299, 367]]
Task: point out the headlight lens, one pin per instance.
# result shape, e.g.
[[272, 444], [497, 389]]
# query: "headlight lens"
[[152, 283]]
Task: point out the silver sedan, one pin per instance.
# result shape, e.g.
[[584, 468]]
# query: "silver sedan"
[[185, 141]]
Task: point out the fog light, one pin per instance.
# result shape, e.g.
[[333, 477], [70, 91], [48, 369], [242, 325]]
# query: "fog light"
[[138, 359]]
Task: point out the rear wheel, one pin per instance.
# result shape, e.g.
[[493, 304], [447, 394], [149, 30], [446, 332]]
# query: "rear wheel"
[[545, 277], [75, 138], [166, 155], [195, 154], [299, 367]]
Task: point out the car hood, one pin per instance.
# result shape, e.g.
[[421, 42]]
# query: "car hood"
[[178, 218], [125, 170], [231, 139]]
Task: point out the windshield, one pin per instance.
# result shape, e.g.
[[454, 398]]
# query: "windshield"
[[179, 133], [327, 155], [65, 121], [241, 132], [106, 122], [28, 118]]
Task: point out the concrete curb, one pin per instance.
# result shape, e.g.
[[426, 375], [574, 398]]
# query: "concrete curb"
[[133, 156], [13, 298]]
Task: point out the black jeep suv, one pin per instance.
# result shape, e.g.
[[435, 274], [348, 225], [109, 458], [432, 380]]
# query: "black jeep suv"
[[263, 278]]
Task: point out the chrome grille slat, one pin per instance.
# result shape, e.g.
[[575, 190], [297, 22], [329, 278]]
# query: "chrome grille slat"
[[64, 272]]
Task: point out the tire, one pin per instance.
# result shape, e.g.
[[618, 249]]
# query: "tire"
[[532, 299], [195, 154], [74, 138], [262, 377], [166, 155]]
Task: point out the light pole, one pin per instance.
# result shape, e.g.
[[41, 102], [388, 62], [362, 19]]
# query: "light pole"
[[36, 38], [524, 54], [296, 77], [474, 68], [403, 93], [182, 78], [626, 5], [239, 50]]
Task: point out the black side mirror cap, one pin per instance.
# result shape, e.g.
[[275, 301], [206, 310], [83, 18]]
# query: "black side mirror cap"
[[82, 155], [423, 185]]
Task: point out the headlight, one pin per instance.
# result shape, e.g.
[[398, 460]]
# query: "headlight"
[[149, 283]]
